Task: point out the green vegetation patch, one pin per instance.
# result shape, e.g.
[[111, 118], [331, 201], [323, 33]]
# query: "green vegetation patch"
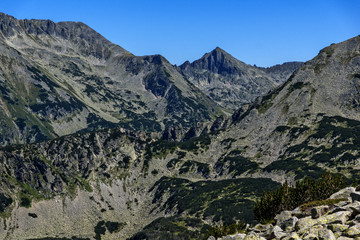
[[328, 202], [198, 167], [161, 148], [175, 228], [224, 230], [287, 197], [4, 202], [226, 200], [235, 164], [335, 143], [266, 101], [301, 168]]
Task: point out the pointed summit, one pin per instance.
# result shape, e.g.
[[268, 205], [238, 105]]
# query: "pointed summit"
[[218, 61], [228, 81]]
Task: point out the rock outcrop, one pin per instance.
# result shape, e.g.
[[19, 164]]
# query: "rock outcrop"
[[339, 220]]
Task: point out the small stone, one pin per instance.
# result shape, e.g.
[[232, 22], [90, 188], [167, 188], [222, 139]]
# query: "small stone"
[[319, 211], [211, 238], [326, 234], [355, 196]]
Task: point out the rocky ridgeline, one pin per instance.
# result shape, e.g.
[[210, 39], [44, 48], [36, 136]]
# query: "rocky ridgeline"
[[338, 219]]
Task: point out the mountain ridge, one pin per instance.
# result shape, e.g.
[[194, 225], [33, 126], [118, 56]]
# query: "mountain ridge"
[[69, 69]]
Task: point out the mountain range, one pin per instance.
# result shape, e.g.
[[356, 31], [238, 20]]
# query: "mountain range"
[[62, 78], [88, 173]]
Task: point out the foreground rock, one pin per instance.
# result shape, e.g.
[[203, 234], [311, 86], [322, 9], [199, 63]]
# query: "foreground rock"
[[339, 219]]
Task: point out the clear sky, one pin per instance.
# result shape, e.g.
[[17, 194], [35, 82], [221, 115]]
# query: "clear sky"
[[257, 32]]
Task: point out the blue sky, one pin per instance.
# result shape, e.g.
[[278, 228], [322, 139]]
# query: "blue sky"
[[256, 32]]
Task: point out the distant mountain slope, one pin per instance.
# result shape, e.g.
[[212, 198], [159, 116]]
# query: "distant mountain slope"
[[60, 78], [232, 83]]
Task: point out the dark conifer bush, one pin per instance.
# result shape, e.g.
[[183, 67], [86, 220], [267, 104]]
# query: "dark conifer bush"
[[287, 197]]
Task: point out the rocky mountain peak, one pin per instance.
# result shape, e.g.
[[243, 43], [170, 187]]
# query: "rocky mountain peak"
[[232, 83], [81, 36], [217, 61]]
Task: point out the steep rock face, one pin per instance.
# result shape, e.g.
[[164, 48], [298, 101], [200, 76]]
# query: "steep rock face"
[[60, 78], [232, 83]]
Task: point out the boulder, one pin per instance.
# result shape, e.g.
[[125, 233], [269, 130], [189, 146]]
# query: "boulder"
[[353, 231], [344, 238], [277, 233], [305, 223], [297, 212], [313, 230], [289, 224], [253, 236], [338, 227], [284, 215], [343, 193], [239, 236], [292, 236], [355, 207], [261, 227], [326, 234], [355, 196], [310, 236], [338, 209], [319, 211], [338, 217]]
